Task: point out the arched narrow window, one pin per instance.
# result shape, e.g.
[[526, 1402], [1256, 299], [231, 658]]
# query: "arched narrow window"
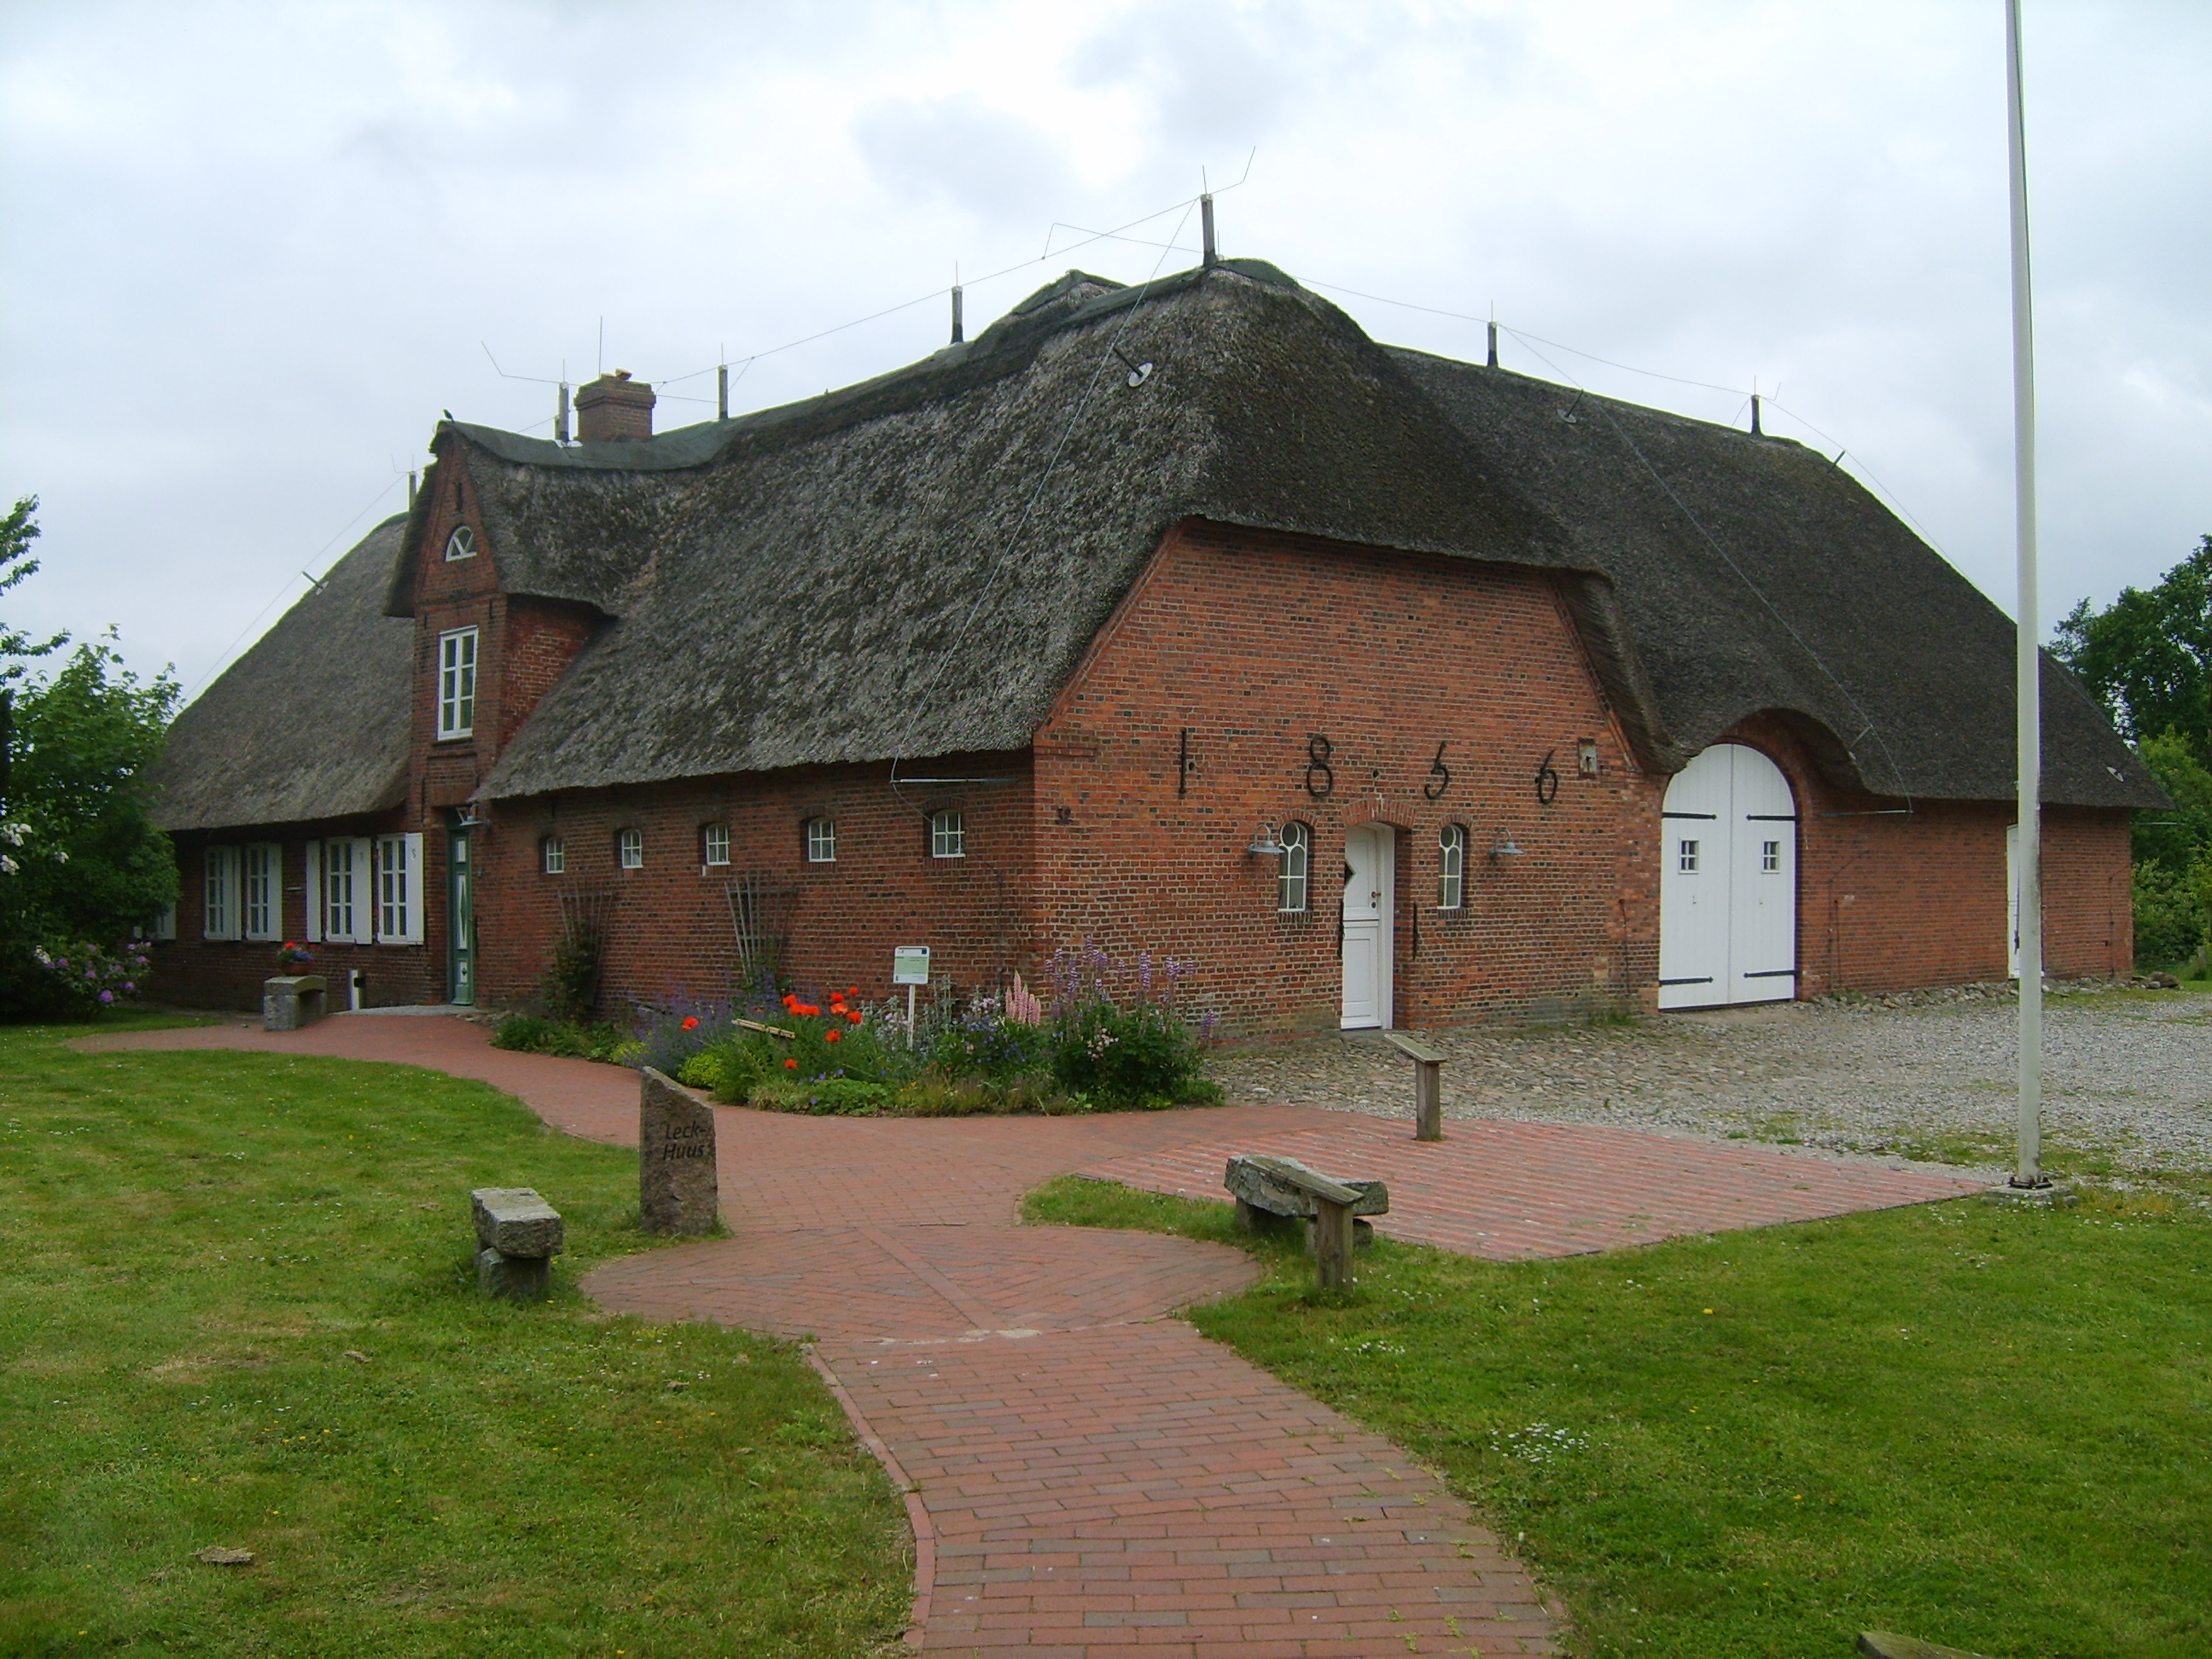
[[1297, 862], [629, 849], [1451, 866], [462, 543], [821, 840]]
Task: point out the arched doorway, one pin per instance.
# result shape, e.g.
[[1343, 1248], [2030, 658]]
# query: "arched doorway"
[[1728, 882]]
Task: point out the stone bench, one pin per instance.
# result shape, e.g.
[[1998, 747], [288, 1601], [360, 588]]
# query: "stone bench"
[[1272, 1191], [291, 1001], [519, 1234], [1428, 1083]]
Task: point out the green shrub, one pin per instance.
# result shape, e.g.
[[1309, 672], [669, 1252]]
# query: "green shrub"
[[2169, 915], [702, 1071], [534, 1035], [526, 1033], [822, 1096], [571, 985], [1143, 1056]]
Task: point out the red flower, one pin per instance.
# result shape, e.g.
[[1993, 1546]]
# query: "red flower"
[[853, 1014], [690, 1022], [790, 1000], [806, 1008], [831, 1036], [852, 990], [790, 1065]]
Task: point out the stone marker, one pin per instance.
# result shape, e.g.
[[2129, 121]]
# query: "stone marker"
[[520, 1234], [1881, 1645], [677, 1184], [291, 1001]]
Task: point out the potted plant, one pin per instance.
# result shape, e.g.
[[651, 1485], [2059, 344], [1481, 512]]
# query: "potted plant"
[[294, 958]]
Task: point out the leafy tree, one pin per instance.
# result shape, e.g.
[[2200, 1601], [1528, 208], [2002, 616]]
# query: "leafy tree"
[[81, 862], [2148, 656]]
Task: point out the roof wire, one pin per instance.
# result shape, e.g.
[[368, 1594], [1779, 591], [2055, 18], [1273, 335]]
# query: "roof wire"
[[1036, 494], [223, 662]]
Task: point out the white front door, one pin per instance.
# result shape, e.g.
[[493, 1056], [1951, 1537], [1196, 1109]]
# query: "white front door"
[[1371, 868], [1728, 882]]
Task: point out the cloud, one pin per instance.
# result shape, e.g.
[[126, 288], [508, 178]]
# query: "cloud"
[[991, 165]]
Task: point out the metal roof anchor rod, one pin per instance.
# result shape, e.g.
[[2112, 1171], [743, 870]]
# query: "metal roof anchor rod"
[[959, 332], [721, 391], [1212, 256], [561, 417], [1755, 432], [1493, 342]]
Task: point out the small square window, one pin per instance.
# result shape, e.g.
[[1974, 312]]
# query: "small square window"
[[715, 841], [554, 856], [1770, 856], [629, 849], [821, 840], [1686, 857], [462, 543], [948, 834]]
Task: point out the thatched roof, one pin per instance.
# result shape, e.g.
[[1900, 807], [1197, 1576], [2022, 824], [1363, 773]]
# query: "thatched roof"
[[913, 566], [1753, 574], [312, 722]]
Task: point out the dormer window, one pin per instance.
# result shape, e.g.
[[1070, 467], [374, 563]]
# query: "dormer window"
[[462, 543]]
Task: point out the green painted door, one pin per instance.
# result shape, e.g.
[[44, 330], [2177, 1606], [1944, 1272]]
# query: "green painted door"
[[461, 909]]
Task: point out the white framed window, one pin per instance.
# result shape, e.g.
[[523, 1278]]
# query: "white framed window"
[[629, 849], [261, 889], [399, 889], [714, 844], [1451, 867], [219, 917], [1686, 857], [347, 900], [948, 834], [1291, 870], [822, 839], [552, 855], [462, 543], [1769, 857], [457, 683], [164, 927]]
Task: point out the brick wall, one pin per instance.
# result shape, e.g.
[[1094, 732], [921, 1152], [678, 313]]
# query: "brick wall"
[[1254, 643], [669, 927], [196, 972]]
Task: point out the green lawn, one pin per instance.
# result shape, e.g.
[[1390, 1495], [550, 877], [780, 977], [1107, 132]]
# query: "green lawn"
[[1987, 1426], [194, 1241]]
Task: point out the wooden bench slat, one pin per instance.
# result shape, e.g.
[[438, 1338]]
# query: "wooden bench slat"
[[1414, 1049]]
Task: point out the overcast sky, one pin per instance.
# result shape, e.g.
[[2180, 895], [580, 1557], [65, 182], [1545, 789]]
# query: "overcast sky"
[[252, 250]]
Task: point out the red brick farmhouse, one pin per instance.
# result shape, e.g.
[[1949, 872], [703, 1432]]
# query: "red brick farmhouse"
[[1390, 691]]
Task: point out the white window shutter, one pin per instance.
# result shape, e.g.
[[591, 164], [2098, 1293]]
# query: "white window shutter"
[[314, 905], [417, 901]]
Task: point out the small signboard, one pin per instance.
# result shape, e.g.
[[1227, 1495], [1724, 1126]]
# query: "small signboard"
[[911, 964]]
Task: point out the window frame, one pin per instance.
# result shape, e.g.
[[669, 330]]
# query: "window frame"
[[552, 856], [1294, 869], [219, 894], [819, 838], [348, 895], [465, 539], [457, 684], [396, 885], [629, 847], [261, 891], [1686, 858], [1769, 857], [1451, 867], [948, 833], [713, 838]]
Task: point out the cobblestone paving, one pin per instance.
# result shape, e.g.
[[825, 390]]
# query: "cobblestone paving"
[[2128, 1075]]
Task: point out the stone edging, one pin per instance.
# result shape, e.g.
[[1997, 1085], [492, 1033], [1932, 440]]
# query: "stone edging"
[[925, 1536]]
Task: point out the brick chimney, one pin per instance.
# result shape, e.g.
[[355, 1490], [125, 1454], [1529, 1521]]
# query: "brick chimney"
[[614, 408]]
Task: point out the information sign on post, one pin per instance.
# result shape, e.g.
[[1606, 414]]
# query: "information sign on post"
[[909, 968]]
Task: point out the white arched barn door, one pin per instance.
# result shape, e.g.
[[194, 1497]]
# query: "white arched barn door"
[[1728, 882]]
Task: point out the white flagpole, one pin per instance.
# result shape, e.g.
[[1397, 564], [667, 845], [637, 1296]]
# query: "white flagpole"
[[2028, 664]]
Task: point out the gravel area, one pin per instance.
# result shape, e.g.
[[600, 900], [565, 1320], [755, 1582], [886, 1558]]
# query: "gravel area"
[[1925, 1077]]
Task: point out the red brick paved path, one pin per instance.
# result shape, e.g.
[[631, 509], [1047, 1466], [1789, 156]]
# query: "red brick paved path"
[[1086, 1477]]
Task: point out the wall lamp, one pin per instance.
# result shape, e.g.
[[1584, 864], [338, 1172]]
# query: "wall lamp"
[[1264, 844], [1503, 848], [466, 818]]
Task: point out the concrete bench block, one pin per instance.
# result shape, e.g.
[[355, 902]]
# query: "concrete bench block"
[[289, 1001], [515, 1222], [514, 1277]]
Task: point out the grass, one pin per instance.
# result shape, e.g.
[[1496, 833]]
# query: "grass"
[[194, 1243], [1979, 1424]]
